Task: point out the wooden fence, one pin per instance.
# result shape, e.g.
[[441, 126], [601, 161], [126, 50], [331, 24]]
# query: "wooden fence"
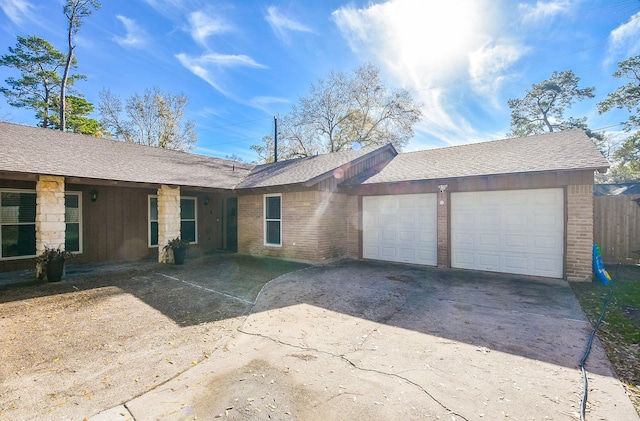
[[616, 227]]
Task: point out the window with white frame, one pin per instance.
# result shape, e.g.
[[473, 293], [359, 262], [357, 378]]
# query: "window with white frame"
[[17, 223], [73, 221], [273, 220], [188, 220]]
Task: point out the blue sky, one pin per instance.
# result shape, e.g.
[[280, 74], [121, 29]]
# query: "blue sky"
[[242, 62]]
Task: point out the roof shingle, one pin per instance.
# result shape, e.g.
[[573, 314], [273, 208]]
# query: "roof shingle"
[[302, 170], [558, 151], [26, 149]]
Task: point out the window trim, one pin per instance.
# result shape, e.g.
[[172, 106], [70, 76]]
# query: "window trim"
[[264, 203], [80, 223], [149, 220]]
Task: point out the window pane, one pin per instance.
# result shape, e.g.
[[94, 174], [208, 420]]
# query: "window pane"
[[71, 200], [71, 208], [187, 209], [18, 240], [72, 237], [153, 211], [273, 232], [188, 231], [154, 233], [273, 207], [17, 207]]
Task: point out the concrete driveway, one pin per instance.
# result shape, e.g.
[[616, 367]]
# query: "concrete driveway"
[[362, 340]]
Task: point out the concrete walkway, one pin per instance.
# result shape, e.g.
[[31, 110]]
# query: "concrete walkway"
[[360, 340]]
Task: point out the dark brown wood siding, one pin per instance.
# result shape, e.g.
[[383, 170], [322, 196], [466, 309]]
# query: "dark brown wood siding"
[[115, 226]]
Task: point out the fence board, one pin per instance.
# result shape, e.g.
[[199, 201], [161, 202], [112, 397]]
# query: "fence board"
[[616, 227]]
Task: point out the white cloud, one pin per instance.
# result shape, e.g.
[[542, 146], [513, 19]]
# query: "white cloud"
[[18, 11], [135, 37], [487, 66], [282, 25], [209, 67], [543, 11], [202, 25], [426, 47], [627, 36], [264, 103]]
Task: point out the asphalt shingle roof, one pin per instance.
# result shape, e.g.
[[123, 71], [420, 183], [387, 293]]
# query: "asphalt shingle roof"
[[301, 170], [558, 151], [25, 149]]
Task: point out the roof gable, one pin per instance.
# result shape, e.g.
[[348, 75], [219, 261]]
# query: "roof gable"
[[309, 170]]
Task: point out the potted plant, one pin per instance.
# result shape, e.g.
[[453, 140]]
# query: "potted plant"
[[179, 248], [51, 263]]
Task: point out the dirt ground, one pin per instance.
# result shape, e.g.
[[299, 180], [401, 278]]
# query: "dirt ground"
[[353, 340], [71, 349]]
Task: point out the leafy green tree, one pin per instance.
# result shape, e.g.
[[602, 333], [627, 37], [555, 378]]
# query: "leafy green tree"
[[343, 109], [75, 11], [39, 83], [77, 118], [627, 96], [154, 119], [543, 106]]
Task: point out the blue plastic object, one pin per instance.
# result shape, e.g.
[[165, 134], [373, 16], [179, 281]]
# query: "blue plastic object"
[[598, 267]]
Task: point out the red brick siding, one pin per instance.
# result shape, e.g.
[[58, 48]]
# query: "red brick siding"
[[313, 226], [354, 226], [443, 229], [579, 233]]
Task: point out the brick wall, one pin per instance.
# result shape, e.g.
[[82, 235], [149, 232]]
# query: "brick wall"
[[332, 225], [579, 232], [443, 229], [354, 227], [313, 226]]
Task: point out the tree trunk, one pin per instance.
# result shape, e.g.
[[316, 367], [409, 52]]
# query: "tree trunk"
[[65, 76]]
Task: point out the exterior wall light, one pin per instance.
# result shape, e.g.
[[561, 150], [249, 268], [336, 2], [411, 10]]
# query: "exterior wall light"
[[206, 200], [93, 195]]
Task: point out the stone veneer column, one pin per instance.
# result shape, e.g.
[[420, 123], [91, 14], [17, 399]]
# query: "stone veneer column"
[[443, 228], [168, 220], [579, 232], [50, 225]]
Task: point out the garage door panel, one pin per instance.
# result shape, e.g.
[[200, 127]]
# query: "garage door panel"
[[488, 261], [408, 226], [517, 241], [489, 241], [509, 231], [516, 264]]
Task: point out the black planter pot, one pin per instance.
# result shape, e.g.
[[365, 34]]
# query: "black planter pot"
[[179, 254], [54, 269]]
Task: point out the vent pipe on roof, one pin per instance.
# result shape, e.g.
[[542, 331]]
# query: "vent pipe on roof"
[[275, 139]]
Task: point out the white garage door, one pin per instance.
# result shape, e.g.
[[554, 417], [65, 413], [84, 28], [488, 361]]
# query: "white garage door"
[[400, 228], [519, 231]]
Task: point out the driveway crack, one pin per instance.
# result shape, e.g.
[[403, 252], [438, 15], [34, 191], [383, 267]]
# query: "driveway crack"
[[355, 366]]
